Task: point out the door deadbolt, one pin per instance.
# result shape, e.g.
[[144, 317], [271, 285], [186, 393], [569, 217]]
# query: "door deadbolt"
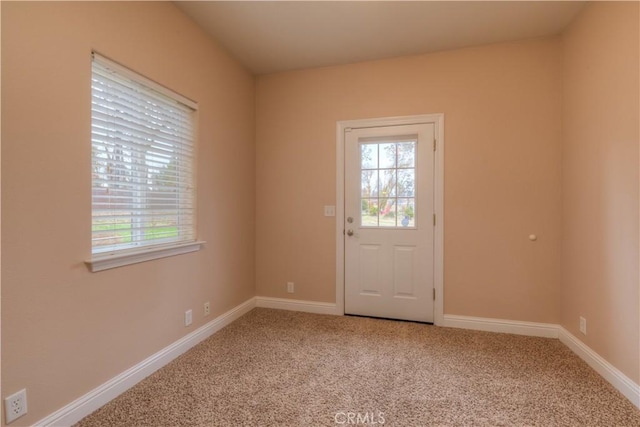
[[349, 220]]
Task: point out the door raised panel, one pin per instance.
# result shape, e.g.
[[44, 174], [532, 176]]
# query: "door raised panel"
[[369, 270], [404, 271]]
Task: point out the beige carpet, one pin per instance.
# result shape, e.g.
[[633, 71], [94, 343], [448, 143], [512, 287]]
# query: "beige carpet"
[[272, 368]]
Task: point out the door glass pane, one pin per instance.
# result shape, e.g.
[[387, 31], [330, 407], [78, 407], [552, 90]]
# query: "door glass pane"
[[407, 154], [387, 156], [369, 183], [387, 183], [369, 156], [369, 212], [387, 213], [406, 182], [406, 213]]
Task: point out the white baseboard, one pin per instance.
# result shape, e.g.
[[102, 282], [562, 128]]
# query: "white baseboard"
[[546, 330], [298, 305], [96, 398], [620, 381], [83, 406]]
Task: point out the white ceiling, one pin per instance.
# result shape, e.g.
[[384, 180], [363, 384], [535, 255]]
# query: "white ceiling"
[[271, 36]]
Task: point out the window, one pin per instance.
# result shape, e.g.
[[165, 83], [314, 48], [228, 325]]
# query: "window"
[[388, 176], [142, 136]]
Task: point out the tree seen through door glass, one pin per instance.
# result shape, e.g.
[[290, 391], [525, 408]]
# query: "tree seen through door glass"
[[406, 183], [387, 184], [387, 155], [369, 156]]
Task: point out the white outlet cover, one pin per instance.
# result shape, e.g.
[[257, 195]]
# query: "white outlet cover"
[[15, 405], [188, 317]]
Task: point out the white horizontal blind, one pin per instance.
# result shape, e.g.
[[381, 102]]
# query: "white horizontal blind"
[[142, 138]]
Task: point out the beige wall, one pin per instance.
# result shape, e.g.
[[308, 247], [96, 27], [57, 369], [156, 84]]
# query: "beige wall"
[[502, 106], [512, 145], [600, 181], [65, 330]]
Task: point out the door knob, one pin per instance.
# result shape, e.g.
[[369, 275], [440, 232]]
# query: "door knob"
[[349, 233]]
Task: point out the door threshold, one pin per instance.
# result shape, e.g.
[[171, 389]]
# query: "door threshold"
[[389, 318]]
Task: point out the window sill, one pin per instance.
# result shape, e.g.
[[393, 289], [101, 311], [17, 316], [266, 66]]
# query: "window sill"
[[107, 260]]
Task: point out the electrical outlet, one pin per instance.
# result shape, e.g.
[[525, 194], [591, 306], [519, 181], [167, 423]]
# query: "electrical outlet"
[[15, 405], [207, 308], [290, 287], [583, 325], [188, 317]]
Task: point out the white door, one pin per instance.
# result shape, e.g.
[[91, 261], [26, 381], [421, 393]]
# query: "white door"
[[389, 222]]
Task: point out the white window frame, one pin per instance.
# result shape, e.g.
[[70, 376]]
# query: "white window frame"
[[117, 257]]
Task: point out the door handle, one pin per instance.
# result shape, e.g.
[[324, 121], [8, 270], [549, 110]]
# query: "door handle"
[[349, 233]]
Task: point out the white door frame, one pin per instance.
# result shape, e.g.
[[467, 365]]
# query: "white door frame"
[[438, 237]]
